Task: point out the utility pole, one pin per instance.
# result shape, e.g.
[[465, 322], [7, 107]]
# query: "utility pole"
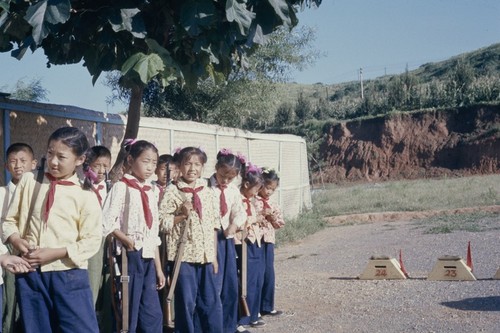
[[361, 81]]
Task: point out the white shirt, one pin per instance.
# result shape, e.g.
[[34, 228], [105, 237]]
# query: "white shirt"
[[129, 216], [236, 213], [6, 194]]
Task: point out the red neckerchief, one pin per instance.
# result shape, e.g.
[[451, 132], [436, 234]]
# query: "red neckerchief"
[[222, 198], [96, 191], [265, 202], [52, 192], [162, 191], [249, 207], [196, 199], [134, 183]]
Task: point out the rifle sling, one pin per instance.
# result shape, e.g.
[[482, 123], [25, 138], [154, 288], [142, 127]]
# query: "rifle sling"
[[36, 190]]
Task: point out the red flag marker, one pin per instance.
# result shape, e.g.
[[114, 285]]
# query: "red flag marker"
[[469, 258], [401, 263]]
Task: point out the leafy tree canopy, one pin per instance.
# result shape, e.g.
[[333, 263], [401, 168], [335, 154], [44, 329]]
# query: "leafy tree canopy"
[[172, 40]]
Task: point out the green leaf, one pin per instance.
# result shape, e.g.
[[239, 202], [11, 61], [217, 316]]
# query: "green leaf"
[[171, 70], [145, 66], [237, 12], [127, 19], [5, 5], [196, 14], [45, 13], [283, 10]]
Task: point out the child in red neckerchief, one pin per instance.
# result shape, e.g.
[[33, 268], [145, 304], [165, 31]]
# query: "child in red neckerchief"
[[251, 183], [57, 236], [131, 215], [95, 168], [191, 204], [270, 218]]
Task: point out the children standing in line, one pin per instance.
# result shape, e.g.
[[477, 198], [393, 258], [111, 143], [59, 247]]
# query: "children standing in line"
[[59, 237], [191, 204], [96, 166], [270, 218], [20, 159], [233, 216], [131, 215], [250, 186]]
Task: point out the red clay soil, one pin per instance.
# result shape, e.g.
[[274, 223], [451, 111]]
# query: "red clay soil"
[[463, 141]]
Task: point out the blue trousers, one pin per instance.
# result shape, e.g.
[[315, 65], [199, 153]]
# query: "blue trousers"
[[255, 279], [145, 313], [227, 282], [1, 305], [197, 302], [267, 301], [57, 301]]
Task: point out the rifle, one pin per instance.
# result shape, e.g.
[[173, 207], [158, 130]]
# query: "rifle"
[[177, 267], [119, 280], [167, 306], [243, 305], [114, 272]]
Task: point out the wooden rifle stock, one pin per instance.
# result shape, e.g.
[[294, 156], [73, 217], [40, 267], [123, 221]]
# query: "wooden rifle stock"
[[243, 306], [167, 306], [177, 267]]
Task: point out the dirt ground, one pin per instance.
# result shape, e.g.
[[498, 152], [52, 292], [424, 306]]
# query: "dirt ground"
[[318, 289]]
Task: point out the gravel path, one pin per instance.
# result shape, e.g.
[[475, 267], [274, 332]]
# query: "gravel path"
[[318, 289]]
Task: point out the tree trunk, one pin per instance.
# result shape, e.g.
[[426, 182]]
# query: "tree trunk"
[[131, 130]]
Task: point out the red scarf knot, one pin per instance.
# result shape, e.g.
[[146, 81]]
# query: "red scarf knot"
[[196, 199], [249, 207], [134, 183], [223, 203], [51, 194], [265, 202]]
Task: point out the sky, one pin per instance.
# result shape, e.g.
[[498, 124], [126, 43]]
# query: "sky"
[[381, 37]]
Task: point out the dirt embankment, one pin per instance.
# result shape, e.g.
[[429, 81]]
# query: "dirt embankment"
[[461, 141]]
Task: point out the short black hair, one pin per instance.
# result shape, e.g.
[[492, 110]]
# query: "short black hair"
[[20, 146]]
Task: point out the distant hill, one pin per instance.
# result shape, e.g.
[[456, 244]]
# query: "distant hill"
[[468, 78]]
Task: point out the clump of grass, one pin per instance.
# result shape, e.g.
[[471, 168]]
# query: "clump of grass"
[[471, 222], [411, 195], [305, 224]]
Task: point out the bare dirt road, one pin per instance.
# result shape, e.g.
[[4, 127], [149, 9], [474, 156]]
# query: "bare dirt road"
[[318, 289]]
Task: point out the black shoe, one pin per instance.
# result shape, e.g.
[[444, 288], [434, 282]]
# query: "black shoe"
[[242, 329], [274, 313], [258, 323]]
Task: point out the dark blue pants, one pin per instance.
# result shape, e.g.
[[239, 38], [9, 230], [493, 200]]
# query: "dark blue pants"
[[227, 282], [1, 305], [255, 278], [145, 313], [196, 295], [58, 301], [267, 301]]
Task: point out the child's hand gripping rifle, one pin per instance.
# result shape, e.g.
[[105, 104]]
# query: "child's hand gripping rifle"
[[175, 273]]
